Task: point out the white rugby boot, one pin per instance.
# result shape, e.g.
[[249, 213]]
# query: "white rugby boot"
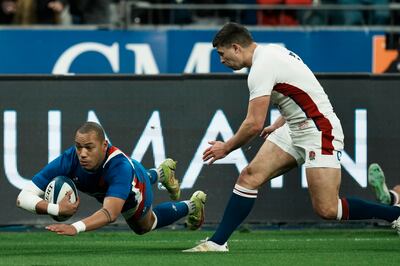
[[396, 225], [208, 246]]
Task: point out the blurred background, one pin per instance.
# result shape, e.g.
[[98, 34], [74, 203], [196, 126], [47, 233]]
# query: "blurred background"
[[147, 71], [153, 37]]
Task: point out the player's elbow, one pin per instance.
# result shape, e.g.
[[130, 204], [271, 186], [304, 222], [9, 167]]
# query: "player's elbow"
[[259, 127], [113, 217], [21, 199], [27, 200], [18, 201], [254, 127]]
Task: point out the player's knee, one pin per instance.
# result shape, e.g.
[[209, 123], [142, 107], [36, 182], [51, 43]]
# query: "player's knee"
[[141, 230], [327, 212], [397, 189], [248, 178], [246, 172]]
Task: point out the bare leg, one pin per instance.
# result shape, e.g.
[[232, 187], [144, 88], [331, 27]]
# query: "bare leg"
[[323, 186], [269, 162], [144, 224], [324, 191], [396, 194]]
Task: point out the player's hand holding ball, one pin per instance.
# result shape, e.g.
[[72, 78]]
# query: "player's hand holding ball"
[[67, 209], [62, 195], [67, 206]]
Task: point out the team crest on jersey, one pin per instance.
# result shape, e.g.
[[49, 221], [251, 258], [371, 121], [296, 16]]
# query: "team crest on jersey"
[[311, 155]]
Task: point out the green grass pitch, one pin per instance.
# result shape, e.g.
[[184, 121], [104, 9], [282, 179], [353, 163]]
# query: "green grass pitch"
[[259, 247]]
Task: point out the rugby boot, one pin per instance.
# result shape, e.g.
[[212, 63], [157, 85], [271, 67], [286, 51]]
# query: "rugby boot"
[[396, 225], [196, 218], [167, 178], [376, 179], [208, 246]]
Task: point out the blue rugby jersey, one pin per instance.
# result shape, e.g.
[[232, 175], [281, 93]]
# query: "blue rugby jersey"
[[113, 178]]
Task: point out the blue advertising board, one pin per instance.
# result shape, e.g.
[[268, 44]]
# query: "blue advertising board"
[[41, 51]]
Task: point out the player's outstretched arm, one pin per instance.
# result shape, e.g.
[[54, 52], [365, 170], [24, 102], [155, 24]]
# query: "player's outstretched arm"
[[250, 127], [110, 211]]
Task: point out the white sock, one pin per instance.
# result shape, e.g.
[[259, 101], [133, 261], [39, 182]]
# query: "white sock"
[[155, 222], [191, 205], [245, 192], [395, 196], [160, 174], [339, 210]]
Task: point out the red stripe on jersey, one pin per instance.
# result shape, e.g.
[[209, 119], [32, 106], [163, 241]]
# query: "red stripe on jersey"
[[309, 107], [111, 150], [142, 187]]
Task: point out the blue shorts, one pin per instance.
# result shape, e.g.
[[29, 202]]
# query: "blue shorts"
[[136, 207]]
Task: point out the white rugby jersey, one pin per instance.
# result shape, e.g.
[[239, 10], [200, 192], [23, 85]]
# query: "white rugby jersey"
[[294, 89]]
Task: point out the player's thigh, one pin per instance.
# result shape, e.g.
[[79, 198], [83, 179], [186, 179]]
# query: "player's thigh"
[[269, 162], [323, 186], [143, 224]]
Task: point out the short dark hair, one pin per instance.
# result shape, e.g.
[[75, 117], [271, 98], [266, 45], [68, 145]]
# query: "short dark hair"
[[232, 33], [92, 127]]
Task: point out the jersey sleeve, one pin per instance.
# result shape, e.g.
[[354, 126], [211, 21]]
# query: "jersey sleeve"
[[119, 178], [262, 77], [62, 165]]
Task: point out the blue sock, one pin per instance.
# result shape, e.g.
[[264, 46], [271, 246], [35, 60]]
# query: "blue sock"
[[153, 175], [169, 212], [239, 206], [358, 209]]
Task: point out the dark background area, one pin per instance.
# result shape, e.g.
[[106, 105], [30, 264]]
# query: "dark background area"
[[186, 104]]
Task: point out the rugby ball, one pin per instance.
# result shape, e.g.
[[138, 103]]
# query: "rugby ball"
[[56, 191]]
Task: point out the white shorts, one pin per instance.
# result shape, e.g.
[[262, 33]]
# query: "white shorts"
[[308, 146]]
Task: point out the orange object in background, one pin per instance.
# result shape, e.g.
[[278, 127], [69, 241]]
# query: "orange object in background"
[[381, 58]]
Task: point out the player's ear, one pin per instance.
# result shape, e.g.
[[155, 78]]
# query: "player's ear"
[[105, 144], [236, 48]]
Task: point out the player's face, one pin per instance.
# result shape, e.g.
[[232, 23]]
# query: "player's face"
[[90, 150], [231, 56]]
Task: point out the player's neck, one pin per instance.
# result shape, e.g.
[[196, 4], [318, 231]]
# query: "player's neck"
[[249, 52]]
